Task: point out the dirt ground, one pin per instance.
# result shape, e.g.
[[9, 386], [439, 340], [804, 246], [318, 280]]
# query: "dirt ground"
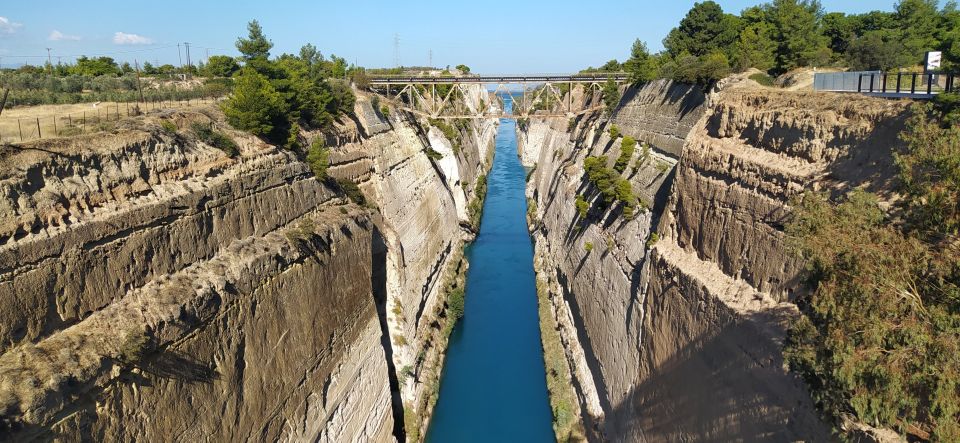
[[49, 121]]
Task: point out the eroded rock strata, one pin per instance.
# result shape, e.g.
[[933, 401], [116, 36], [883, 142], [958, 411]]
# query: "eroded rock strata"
[[153, 288], [673, 321]]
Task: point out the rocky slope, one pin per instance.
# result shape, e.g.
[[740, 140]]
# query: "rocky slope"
[[673, 321], [154, 288]]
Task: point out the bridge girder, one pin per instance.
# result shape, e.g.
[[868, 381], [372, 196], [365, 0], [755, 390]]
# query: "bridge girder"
[[523, 105]]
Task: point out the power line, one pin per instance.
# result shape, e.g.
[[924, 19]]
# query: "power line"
[[187, 45]]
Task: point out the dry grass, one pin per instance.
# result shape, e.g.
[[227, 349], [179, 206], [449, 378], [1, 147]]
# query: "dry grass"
[[73, 119]]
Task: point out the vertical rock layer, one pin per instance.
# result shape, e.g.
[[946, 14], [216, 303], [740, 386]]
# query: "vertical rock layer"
[[673, 321], [154, 288]]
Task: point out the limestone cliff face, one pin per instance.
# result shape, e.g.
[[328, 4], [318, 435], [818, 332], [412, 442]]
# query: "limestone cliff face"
[[423, 217], [153, 288], [678, 335]]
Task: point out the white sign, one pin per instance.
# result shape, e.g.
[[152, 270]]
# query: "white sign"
[[933, 60]]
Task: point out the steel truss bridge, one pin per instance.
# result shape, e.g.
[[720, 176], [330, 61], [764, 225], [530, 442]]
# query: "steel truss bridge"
[[538, 95]]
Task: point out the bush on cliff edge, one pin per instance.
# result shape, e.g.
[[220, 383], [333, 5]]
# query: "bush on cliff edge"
[[879, 337]]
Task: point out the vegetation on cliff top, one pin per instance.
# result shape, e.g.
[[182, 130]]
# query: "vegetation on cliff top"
[[879, 338], [273, 98], [782, 35]]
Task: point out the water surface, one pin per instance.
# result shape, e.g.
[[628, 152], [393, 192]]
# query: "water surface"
[[493, 386]]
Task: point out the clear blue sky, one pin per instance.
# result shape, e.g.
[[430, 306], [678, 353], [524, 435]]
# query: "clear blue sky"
[[494, 36]]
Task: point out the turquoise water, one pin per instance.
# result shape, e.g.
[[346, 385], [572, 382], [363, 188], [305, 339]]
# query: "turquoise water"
[[493, 386]]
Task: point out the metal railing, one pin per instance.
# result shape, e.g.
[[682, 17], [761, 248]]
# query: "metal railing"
[[575, 78], [899, 84]]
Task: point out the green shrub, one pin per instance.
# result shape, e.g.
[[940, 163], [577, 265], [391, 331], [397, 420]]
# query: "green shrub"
[[255, 105], [385, 111], [136, 345], [614, 132], [627, 147], [455, 304], [168, 126], [434, 155], [216, 139], [880, 333], [654, 238], [411, 424], [582, 206], [475, 208], [762, 78], [318, 157], [353, 191], [405, 373], [588, 246], [611, 96]]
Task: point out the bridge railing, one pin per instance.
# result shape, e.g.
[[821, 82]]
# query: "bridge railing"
[[899, 84], [559, 78]]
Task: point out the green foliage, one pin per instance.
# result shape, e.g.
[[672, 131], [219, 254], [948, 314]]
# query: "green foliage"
[[611, 96], [220, 66], [464, 69], [756, 47], [627, 147], [136, 345], [762, 78], [567, 426], [455, 304], [216, 139], [876, 50], [449, 132], [318, 157], [434, 155], [706, 29], [641, 66], [796, 31], [614, 132], [588, 246], [256, 45], [654, 238], [169, 127], [475, 208], [411, 424], [880, 334], [582, 206], [405, 373], [255, 105], [353, 191], [930, 169], [612, 188], [93, 67]]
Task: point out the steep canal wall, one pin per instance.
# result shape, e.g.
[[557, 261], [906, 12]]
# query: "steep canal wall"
[[155, 288], [672, 320]]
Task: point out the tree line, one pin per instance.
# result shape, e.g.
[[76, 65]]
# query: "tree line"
[[782, 35]]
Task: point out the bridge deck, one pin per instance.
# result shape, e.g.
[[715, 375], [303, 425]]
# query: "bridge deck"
[[484, 79]]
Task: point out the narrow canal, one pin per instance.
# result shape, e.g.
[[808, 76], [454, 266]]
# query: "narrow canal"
[[493, 386]]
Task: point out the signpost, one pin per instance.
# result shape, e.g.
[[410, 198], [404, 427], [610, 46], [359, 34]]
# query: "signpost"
[[934, 59]]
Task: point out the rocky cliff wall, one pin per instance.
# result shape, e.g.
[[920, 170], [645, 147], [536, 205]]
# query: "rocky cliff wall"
[[673, 321], [424, 219], [154, 288]]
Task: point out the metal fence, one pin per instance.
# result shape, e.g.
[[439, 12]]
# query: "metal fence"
[[885, 84], [97, 118]]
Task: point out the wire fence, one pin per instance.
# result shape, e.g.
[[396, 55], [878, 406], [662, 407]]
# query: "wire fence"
[[97, 118]]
